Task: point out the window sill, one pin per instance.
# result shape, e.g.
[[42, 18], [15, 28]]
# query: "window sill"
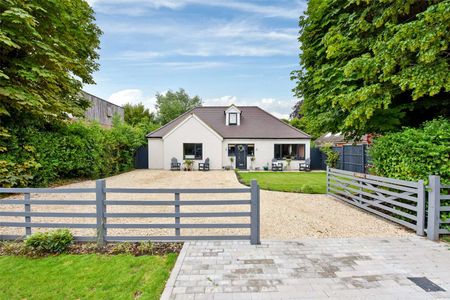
[[292, 159]]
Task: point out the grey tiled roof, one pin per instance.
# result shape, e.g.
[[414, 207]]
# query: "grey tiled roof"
[[255, 123]]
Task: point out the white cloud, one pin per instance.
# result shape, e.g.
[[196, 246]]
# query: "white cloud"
[[221, 101], [183, 65], [215, 38], [279, 108], [137, 7], [133, 96], [139, 55]]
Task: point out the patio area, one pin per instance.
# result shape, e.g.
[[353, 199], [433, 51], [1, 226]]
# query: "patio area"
[[351, 268]]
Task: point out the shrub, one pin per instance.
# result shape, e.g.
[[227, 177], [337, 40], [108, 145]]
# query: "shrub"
[[56, 241], [414, 153], [332, 156], [37, 156]]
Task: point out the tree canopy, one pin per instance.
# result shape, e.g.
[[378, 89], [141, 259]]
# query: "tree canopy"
[[137, 113], [373, 66], [47, 50], [172, 104]]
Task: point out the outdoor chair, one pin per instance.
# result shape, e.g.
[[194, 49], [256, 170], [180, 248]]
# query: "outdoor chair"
[[175, 165], [277, 166], [306, 166], [204, 166]]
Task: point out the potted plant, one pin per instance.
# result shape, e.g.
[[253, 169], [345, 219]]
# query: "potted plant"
[[188, 163], [266, 167], [252, 159], [232, 162]]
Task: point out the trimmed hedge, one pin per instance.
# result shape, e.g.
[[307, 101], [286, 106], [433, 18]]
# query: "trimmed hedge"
[[40, 156], [414, 153]]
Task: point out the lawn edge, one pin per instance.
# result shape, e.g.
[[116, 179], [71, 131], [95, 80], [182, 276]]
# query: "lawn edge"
[[241, 181], [170, 284]]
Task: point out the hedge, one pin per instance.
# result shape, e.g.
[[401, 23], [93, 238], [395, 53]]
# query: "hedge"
[[414, 153], [40, 156]]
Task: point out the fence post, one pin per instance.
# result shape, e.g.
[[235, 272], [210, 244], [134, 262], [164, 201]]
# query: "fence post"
[[255, 214], [100, 197], [420, 208], [364, 148], [328, 180], [177, 211], [434, 207], [27, 198]]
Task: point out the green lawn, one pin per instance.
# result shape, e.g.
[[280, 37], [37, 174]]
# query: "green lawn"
[[88, 276], [299, 182]]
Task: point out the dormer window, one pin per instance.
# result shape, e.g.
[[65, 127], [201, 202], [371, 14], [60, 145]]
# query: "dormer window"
[[232, 118]]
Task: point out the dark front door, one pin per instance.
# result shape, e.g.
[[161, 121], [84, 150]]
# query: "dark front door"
[[141, 157], [241, 157]]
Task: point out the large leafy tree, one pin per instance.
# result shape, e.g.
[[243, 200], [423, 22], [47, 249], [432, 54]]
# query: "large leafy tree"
[[373, 66], [172, 104], [137, 113], [48, 49]]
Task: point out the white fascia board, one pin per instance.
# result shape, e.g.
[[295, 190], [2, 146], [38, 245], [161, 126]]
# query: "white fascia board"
[[193, 116]]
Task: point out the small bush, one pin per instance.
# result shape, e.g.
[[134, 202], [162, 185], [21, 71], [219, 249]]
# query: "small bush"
[[122, 248], [56, 241], [332, 156], [307, 189]]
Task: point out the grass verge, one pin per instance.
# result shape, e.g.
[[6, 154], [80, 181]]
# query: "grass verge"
[[298, 182], [90, 276]]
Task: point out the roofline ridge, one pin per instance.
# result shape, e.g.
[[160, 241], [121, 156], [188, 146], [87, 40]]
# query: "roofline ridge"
[[167, 124], [289, 125], [83, 91]]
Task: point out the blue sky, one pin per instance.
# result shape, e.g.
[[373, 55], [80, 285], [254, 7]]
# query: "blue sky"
[[225, 51]]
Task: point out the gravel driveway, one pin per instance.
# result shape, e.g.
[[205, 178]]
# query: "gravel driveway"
[[284, 216]]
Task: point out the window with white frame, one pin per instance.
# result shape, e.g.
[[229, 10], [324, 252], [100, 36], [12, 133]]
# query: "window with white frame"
[[232, 118], [192, 151]]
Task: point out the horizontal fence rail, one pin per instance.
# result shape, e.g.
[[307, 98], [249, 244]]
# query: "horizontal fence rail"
[[399, 201], [101, 213]]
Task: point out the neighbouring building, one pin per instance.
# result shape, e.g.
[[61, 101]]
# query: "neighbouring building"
[[101, 110], [338, 139], [244, 137]]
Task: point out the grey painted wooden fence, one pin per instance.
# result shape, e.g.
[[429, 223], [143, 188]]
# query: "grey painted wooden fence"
[[438, 208], [397, 200], [400, 201], [101, 213]]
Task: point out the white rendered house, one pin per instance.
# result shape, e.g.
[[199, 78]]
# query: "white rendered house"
[[229, 137]]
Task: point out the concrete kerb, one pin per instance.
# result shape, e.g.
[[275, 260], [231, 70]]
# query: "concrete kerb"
[[175, 272]]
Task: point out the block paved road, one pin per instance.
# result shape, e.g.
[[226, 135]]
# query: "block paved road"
[[332, 268]]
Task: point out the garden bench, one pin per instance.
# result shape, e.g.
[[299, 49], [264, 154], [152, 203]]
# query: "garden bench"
[[175, 165], [204, 166], [306, 166], [277, 166]]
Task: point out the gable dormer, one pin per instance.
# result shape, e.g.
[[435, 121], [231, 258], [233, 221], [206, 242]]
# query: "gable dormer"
[[233, 116]]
